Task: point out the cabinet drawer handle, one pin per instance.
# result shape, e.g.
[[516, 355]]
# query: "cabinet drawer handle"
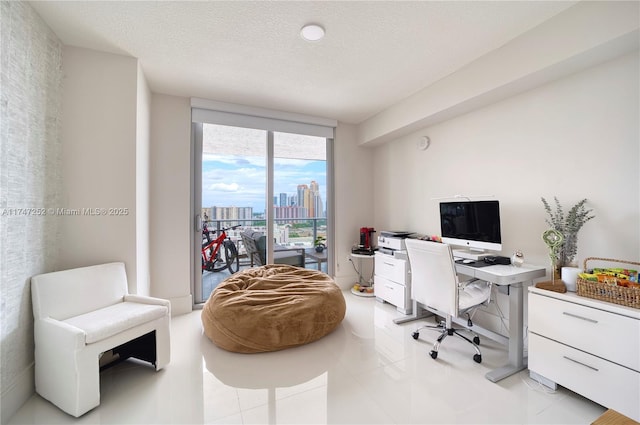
[[389, 264], [580, 363], [579, 317], [389, 287]]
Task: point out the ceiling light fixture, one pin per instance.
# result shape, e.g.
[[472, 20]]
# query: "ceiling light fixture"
[[312, 32]]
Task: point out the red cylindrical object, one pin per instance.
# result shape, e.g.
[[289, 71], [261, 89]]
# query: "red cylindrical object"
[[365, 236]]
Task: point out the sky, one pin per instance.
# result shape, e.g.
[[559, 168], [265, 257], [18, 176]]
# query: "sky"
[[240, 181], [234, 172]]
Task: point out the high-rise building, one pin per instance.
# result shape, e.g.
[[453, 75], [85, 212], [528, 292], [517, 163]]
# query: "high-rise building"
[[314, 194], [290, 212], [303, 196], [232, 213], [319, 207], [283, 200]]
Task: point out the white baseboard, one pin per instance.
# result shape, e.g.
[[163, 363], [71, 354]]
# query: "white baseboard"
[[181, 305], [17, 394], [345, 282]]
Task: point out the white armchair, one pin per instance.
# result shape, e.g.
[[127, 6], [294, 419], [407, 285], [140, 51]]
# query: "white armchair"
[[80, 314]]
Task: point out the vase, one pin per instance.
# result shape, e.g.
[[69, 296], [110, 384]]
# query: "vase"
[[319, 248], [517, 259], [569, 276]]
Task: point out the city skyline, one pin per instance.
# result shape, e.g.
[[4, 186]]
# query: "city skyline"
[[240, 181]]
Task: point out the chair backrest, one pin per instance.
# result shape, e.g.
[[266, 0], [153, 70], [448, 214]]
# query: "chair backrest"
[[434, 282], [254, 244], [64, 294]]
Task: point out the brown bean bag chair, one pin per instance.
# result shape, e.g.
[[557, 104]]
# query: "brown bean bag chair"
[[271, 308]]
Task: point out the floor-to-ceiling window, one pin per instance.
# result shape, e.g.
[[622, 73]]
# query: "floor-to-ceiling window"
[[259, 179]]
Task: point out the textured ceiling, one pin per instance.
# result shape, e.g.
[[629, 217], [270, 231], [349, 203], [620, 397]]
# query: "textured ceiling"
[[374, 53]]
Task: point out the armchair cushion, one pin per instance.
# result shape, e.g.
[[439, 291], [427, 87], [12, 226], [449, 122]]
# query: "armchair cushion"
[[101, 324]]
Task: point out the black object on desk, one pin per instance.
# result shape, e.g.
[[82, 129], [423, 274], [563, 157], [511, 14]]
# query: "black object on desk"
[[486, 261], [497, 260], [475, 264]]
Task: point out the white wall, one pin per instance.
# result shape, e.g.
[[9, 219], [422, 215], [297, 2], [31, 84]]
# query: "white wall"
[[575, 138], [354, 198], [99, 158], [30, 147], [143, 118], [586, 34], [170, 201]]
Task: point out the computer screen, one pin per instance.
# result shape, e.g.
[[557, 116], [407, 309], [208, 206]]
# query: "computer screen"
[[474, 225]]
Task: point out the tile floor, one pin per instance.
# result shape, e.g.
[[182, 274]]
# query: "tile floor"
[[368, 371]]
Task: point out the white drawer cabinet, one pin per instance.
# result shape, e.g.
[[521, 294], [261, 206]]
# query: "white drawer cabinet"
[[587, 346], [392, 282]]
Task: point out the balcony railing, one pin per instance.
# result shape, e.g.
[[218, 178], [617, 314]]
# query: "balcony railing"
[[291, 232]]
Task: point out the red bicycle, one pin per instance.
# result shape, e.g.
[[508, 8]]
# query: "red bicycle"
[[214, 259]]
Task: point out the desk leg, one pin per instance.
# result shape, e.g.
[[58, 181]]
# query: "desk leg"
[[418, 314], [517, 362]]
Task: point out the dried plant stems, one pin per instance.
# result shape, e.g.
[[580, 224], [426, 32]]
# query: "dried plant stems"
[[568, 225]]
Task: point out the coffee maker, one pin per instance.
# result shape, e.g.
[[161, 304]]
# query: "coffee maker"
[[366, 241]]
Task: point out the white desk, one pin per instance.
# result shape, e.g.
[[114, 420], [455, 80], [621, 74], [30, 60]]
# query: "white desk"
[[514, 278]]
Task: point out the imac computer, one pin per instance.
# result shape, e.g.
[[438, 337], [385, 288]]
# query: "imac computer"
[[471, 227]]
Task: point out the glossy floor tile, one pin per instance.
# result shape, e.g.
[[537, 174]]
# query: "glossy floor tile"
[[368, 371]]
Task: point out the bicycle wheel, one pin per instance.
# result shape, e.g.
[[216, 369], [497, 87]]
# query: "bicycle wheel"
[[231, 252], [216, 262]]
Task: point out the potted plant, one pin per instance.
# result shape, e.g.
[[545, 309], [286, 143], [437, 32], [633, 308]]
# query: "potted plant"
[[319, 243], [568, 226]]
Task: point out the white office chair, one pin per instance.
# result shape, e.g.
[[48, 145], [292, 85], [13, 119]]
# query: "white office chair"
[[435, 285]]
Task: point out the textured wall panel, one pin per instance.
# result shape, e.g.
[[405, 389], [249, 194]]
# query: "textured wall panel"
[[30, 86]]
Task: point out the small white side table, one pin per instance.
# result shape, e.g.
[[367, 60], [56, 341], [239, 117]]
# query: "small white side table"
[[361, 281]]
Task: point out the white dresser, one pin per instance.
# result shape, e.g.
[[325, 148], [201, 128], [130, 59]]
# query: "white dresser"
[[588, 346], [392, 283]]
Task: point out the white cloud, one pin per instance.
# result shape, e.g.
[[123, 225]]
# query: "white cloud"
[[224, 187]]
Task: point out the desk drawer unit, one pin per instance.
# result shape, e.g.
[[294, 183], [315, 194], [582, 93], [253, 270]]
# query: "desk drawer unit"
[[392, 282], [588, 346], [391, 268]]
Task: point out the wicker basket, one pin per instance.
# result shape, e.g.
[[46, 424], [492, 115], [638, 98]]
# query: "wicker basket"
[[629, 297]]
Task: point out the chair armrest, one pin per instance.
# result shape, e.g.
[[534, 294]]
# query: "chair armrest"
[[147, 300], [59, 333], [279, 248]]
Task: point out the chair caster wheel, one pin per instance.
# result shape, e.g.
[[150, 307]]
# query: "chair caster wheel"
[[415, 335], [477, 358], [476, 340], [433, 354]]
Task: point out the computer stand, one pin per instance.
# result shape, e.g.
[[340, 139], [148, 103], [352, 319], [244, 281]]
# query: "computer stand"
[[470, 254]]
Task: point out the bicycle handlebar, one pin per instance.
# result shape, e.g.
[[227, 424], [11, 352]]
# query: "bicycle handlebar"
[[224, 229]]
